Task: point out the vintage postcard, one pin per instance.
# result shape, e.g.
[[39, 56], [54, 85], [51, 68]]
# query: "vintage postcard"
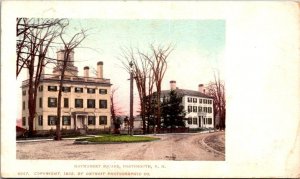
[[150, 89]]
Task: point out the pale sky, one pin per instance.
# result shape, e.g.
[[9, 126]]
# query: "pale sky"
[[198, 50]]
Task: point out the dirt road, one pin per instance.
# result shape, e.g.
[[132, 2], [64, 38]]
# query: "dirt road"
[[191, 147]]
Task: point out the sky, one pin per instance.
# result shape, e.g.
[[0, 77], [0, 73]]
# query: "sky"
[[199, 47]]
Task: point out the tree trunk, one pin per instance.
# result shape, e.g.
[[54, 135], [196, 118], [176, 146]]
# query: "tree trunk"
[[143, 115], [31, 106], [58, 131]]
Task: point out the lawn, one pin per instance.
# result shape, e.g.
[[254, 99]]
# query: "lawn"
[[118, 139]]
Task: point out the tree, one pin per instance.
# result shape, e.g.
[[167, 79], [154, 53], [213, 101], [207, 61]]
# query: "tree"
[[216, 89], [158, 66], [142, 74], [34, 38], [115, 111], [148, 69], [69, 46], [172, 111]]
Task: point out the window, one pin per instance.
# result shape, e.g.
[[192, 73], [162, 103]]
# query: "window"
[[24, 92], [23, 105], [205, 101], [194, 108], [102, 120], [194, 100], [200, 100], [209, 120], [91, 120], [52, 88], [102, 104], [41, 102], [78, 90], [205, 109], [78, 103], [209, 110], [52, 120], [189, 108], [90, 103], [66, 89], [189, 120], [66, 120], [66, 102], [91, 90], [23, 121], [195, 120], [102, 91], [199, 109], [189, 99], [204, 120], [41, 88], [52, 102], [40, 120]]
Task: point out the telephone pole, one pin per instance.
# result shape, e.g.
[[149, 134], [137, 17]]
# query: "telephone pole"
[[131, 99]]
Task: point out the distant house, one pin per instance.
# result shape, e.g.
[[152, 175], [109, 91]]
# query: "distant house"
[[137, 122], [197, 104]]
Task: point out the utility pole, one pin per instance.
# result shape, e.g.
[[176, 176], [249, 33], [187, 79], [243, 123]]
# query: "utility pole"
[[131, 99]]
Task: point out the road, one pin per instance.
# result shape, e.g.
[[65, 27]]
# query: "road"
[[190, 147]]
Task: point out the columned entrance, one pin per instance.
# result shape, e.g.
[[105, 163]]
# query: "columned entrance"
[[80, 120], [201, 118]]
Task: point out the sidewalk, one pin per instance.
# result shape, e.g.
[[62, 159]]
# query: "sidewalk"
[[41, 140]]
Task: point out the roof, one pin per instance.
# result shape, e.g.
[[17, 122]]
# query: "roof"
[[71, 80], [186, 92]]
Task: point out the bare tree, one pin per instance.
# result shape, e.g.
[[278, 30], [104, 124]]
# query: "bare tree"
[[34, 38], [216, 89], [69, 46], [33, 34], [115, 110], [149, 70], [158, 66], [142, 75]]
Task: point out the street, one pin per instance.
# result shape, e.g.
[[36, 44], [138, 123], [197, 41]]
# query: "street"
[[190, 147]]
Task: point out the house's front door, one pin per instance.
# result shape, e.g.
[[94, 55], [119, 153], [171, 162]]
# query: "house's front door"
[[80, 121]]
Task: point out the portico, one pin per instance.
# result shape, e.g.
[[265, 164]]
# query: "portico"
[[80, 120]]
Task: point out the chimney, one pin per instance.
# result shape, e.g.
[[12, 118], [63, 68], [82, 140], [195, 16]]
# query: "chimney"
[[201, 88], [100, 69], [173, 85], [86, 71]]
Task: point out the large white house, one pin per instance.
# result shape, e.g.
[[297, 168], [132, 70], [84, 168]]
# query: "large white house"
[[85, 100], [197, 104]]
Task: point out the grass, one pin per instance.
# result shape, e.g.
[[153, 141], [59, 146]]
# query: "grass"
[[118, 139]]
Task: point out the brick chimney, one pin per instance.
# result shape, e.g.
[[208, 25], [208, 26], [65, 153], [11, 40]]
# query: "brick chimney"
[[201, 88], [86, 71], [173, 85], [100, 69]]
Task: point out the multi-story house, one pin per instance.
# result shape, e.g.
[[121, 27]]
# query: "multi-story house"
[[85, 100], [197, 104]]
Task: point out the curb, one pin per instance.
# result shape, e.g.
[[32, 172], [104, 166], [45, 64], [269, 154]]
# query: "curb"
[[210, 148]]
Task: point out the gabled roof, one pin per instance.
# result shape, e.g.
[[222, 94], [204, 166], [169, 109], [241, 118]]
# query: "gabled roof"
[[186, 92]]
